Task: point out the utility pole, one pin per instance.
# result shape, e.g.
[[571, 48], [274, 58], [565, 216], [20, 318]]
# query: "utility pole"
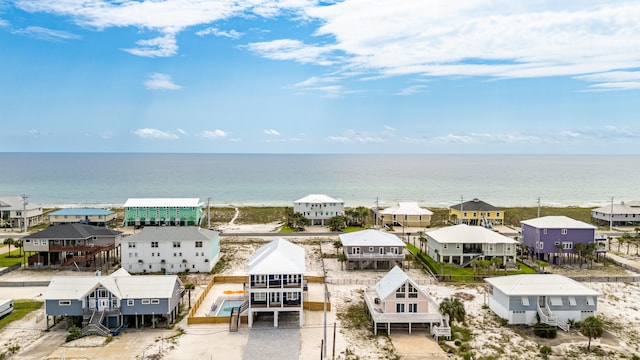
[[611, 216], [538, 206], [208, 214], [461, 209], [377, 210], [24, 212]]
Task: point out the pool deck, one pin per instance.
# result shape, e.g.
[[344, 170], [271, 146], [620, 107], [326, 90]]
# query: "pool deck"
[[315, 292]]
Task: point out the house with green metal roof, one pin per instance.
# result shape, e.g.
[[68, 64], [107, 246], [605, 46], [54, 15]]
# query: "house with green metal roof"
[[162, 212]]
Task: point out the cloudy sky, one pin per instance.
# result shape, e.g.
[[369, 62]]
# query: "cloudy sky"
[[303, 76]]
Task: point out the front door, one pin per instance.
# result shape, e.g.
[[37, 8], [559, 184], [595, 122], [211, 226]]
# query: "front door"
[[542, 300], [103, 304], [274, 297]]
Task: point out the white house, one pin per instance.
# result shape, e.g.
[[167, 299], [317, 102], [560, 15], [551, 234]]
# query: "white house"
[[623, 214], [555, 298], [372, 249], [318, 208], [397, 299], [171, 249], [276, 282], [460, 244], [406, 214], [13, 214]]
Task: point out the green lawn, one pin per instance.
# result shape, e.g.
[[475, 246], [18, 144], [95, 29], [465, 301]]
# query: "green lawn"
[[452, 273], [16, 258], [20, 309]]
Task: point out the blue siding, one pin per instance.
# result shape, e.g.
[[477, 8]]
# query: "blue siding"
[[53, 308], [144, 309]]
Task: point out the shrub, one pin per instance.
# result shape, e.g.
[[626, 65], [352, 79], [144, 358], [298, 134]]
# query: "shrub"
[[545, 351], [545, 331], [74, 333]]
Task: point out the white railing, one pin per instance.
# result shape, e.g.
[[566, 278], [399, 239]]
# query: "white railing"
[[546, 316], [375, 256]]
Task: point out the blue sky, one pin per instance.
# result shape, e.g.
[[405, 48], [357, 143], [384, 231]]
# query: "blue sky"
[[301, 76]]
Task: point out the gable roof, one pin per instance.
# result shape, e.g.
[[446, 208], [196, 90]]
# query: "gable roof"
[[278, 257], [370, 237], [72, 231], [318, 198], [618, 209], [162, 202], [15, 203], [540, 284], [120, 283], [81, 212], [392, 281], [474, 205], [465, 234], [557, 222], [406, 208], [173, 233]]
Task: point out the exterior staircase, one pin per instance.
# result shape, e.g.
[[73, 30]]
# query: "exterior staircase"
[[442, 330], [234, 317], [468, 262], [95, 327]]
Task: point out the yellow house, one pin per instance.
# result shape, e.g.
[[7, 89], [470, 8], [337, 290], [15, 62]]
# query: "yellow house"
[[476, 212], [406, 214]]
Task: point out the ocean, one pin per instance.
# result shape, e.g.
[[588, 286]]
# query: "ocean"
[[60, 179]]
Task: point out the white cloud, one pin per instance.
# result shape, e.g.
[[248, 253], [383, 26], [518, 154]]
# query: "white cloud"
[[149, 133], [353, 136], [158, 81], [34, 132], [291, 49], [215, 134], [271, 132], [161, 46], [232, 34], [46, 34], [182, 132], [3, 23], [411, 90]]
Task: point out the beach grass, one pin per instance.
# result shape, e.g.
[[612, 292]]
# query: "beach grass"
[[20, 309], [513, 215], [15, 257]]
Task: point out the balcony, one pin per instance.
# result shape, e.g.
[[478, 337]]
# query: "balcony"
[[376, 256]]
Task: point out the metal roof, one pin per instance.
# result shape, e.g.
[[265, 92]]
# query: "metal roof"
[[540, 285], [318, 198], [162, 202], [618, 209], [392, 281], [406, 208], [120, 283], [82, 212], [16, 203], [465, 234], [370, 238], [475, 205], [278, 257], [557, 222], [173, 233]]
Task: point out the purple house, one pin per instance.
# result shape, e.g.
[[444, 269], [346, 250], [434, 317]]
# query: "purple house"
[[543, 235]]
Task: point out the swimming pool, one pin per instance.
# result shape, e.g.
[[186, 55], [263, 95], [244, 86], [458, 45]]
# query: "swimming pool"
[[227, 305]]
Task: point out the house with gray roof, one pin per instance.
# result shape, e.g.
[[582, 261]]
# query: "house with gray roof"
[[398, 300], [171, 249], [78, 245], [90, 216], [552, 235], [14, 212], [276, 281], [372, 249], [623, 214], [556, 299], [476, 212], [105, 303]]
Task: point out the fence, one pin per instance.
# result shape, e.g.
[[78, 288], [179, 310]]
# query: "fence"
[[369, 282], [10, 269]]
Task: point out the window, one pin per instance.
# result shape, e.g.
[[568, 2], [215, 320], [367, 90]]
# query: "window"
[[445, 246], [155, 301], [540, 245], [563, 231], [413, 292], [572, 300], [103, 293], [132, 244], [131, 302], [130, 254], [260, 296], [556, 243], [525, 301], [400, 292], [567, 245], [457, 246], [259, 279], [355, 251], [590, 301], [145, 301], [154, 244], [381, 250], [64, 302], [370, 249], [292, 296], [198, 244], [399, 308], [555, 300], [44, 242], [413, 308], [176, 244], [36, 242], [544, 231]]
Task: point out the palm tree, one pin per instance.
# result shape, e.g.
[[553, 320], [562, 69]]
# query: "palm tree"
[[496, 261], [454, 308], [337, 245], [9, 241], [342, 258], [337, 223], [422, 239], [542, 264], [592, 328], [609, 238], [561, 248], [189, 287]]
